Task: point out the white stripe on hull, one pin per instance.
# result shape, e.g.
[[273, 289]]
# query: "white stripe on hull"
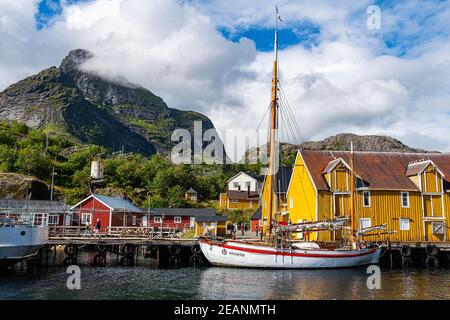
[[259, 256]]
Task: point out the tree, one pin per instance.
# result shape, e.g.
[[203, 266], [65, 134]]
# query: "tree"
[[31, 161], [7, 158]]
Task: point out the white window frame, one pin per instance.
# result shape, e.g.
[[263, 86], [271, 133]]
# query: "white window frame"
[[365, 220], [363, 199], [403, 220], [248, 184], [134, 220], [85, 217], [407, 199], [50, 220], [157, 219], [235, 184], [177, 219]]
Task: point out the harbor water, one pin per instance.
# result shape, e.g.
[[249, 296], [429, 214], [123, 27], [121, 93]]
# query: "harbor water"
[[224, 284]]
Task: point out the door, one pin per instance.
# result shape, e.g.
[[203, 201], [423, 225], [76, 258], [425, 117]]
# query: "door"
[[341, 209]]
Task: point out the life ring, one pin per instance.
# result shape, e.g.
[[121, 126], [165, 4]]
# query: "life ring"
[[100, 260], [70, 250], [432, 250], [196, 248], [196, 261], [175, 249], [405, 251]]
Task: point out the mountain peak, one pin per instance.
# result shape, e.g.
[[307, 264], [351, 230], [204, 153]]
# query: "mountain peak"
[[74, 59]]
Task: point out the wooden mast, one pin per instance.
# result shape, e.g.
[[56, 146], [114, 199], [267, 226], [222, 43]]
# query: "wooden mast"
[[271, 205], [353, 198]]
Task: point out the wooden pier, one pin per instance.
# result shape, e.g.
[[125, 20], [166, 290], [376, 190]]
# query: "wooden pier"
[[120, 246]]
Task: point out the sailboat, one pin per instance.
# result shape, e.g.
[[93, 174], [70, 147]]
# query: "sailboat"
[[278, 250]]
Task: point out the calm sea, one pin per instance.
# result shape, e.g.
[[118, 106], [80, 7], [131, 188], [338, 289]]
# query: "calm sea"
[[224, 283]]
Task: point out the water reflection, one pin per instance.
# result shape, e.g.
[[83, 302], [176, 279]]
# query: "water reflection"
[[224, 284]]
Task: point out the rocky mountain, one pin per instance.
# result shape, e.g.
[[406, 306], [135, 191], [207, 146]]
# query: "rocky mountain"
[[339, 142], [114, 114], [19, 186]]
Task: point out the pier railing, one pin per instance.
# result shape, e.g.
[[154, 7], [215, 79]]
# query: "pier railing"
[[113, 232]]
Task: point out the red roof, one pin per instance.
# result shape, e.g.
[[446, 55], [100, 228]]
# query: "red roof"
[[378, 170]]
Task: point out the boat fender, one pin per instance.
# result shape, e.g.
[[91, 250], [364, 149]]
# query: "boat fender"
[[432, 250], [196, 261], [174, 261], [127, 249], [432, 260], [101, 248], [69, 261], [406, 262], [196, 248], [70, 250], [175, 249], [100, 260], [126, 261], [405, 251]]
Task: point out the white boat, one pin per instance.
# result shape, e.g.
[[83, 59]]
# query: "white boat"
[[20, 241], [248, 255], [287, 253]]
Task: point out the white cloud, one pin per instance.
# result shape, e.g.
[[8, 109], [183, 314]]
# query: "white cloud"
[[347, 83]]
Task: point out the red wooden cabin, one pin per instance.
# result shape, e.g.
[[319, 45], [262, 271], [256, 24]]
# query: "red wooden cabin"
[[112, 212], [178, 218]]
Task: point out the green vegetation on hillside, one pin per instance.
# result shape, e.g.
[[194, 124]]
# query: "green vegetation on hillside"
[[149, 182]]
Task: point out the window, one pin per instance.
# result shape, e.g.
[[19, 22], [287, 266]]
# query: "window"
[[438, 228], [365, 223], [366, 199], [405, 199], [134, 220], [404, 224], [235, 185], [247, 185], [86, 218], [53, 220], [157, 220], [177, 220], [291, 203]]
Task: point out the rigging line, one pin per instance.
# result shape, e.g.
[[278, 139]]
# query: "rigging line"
[[292, 117], [291, 112], [289, 125], [289, 118], [259, 126]]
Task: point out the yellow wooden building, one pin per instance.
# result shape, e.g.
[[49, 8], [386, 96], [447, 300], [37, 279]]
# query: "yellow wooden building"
[[408, 192], [213, 226]]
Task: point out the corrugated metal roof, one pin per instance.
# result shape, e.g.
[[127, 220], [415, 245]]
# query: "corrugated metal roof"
[[416, 168], [118, 204], [182, 212], [378, 170]]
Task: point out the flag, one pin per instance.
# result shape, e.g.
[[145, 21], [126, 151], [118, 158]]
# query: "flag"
[[278, 14]]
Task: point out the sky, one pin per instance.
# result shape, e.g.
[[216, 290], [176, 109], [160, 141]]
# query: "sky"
[[215, 57]]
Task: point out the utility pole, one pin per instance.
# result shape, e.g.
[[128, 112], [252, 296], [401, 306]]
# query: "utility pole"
[[53, 181]]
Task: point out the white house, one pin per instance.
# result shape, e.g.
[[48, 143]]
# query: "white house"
[[242, 181]]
